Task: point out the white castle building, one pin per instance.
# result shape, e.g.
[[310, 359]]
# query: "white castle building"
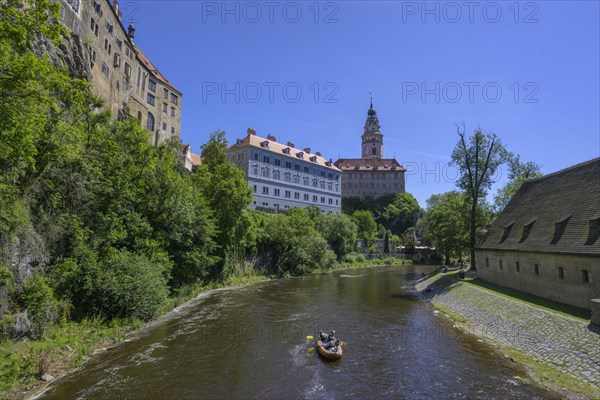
[[283, 177]]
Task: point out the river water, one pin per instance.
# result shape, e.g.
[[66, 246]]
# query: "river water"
[[251, 342]]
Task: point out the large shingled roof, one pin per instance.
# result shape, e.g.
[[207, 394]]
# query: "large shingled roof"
[[557, 213], [369, 164], [270, 144]]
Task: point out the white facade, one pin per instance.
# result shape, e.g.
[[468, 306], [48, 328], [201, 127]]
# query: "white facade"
[[283, 177]]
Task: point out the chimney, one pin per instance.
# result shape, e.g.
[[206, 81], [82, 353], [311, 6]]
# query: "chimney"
[[116, 8], [271, 138], [131, 32], [307, 150], [318, 153], [251, 131], [290, 144]]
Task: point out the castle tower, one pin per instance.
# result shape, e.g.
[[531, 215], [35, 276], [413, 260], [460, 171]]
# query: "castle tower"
[[372, 138]]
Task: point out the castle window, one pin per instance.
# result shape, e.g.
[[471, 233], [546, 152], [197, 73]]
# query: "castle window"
[[374, 151], [276, 192], [266, 159], [172, 111], [152, 85], [296, 195], [306, 181], [277, 174], [527, 230], [561, 273], [127, 72], [166, 93], [164, 126], [109, 26], [140, 116], [174, 99], [150, 124], [518, 267], [585, 276], [265, 190], [165, 107], [315, 182], [305, 197], [254, 191], [173, 130], [265, 172], [74, 4], [150, 99], [75, 28], [105, 70], [92, 24], [288, 194], [117, 60], [536, 269], [323, 200], [119, 42], [330, 201]]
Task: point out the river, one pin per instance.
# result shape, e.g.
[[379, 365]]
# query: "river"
[[250, 342]]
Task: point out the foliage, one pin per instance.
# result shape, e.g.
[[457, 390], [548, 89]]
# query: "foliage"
[[386, 243], [518, 172], [339, 231], [41, 305], [394, 212], [366, 225], [477, 162], [214, 152], [445, 223]]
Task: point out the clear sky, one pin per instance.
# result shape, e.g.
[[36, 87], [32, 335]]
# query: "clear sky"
[[527, 71]]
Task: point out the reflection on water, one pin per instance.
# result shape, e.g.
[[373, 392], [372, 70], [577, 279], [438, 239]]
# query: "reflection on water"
[[251, 343]]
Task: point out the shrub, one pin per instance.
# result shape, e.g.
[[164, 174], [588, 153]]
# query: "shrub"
[[41, 305], [133, 285]]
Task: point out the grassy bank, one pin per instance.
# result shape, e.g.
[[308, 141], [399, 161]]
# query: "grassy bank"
[[68, 345]]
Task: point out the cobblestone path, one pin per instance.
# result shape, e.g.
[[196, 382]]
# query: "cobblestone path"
[[560, 341]]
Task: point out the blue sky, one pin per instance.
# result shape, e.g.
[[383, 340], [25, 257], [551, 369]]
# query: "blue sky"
[[528, 72]]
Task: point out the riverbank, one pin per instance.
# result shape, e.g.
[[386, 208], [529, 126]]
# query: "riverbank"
[[561, 352], [69, 345]]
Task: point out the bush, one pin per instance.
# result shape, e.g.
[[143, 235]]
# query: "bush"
[[41, 305], [133, 285]]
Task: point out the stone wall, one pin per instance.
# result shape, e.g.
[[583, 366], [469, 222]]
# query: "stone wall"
[[595, 311], [517, 270], [100, 49]]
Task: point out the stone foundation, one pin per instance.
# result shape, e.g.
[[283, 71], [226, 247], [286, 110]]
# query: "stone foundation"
[[595, 311]]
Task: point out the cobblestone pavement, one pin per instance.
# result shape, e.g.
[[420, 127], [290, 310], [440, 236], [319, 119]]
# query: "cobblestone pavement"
[[560, 341]]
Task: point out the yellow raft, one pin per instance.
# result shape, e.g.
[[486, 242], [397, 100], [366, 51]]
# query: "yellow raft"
[[329, 354]]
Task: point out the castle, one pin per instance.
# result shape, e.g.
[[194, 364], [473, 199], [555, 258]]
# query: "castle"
[[119, 72], [371, 175]]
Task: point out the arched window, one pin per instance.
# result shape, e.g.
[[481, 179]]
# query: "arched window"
[[150, 124], [140, 116]]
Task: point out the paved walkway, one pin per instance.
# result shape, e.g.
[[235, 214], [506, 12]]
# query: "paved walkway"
[[560, 341]]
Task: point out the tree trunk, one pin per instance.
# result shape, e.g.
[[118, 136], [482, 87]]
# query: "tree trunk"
[[472, 232]]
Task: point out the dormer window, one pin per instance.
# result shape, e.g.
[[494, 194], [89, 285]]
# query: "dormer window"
[[313, 159], [300, 154], [507, 229], [527, 230], [559, 229], [328, 163], [593, 230], [265, 144], [286, 150]]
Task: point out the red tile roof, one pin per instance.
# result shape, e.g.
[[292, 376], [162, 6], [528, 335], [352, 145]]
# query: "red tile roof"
[[146, 61], [369, 164]]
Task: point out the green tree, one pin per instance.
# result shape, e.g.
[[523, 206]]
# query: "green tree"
[[477, 162], [366, 225], [518, 173], [386, 243], [445, 223], [339, 231], [400, 214], [214, 152]]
